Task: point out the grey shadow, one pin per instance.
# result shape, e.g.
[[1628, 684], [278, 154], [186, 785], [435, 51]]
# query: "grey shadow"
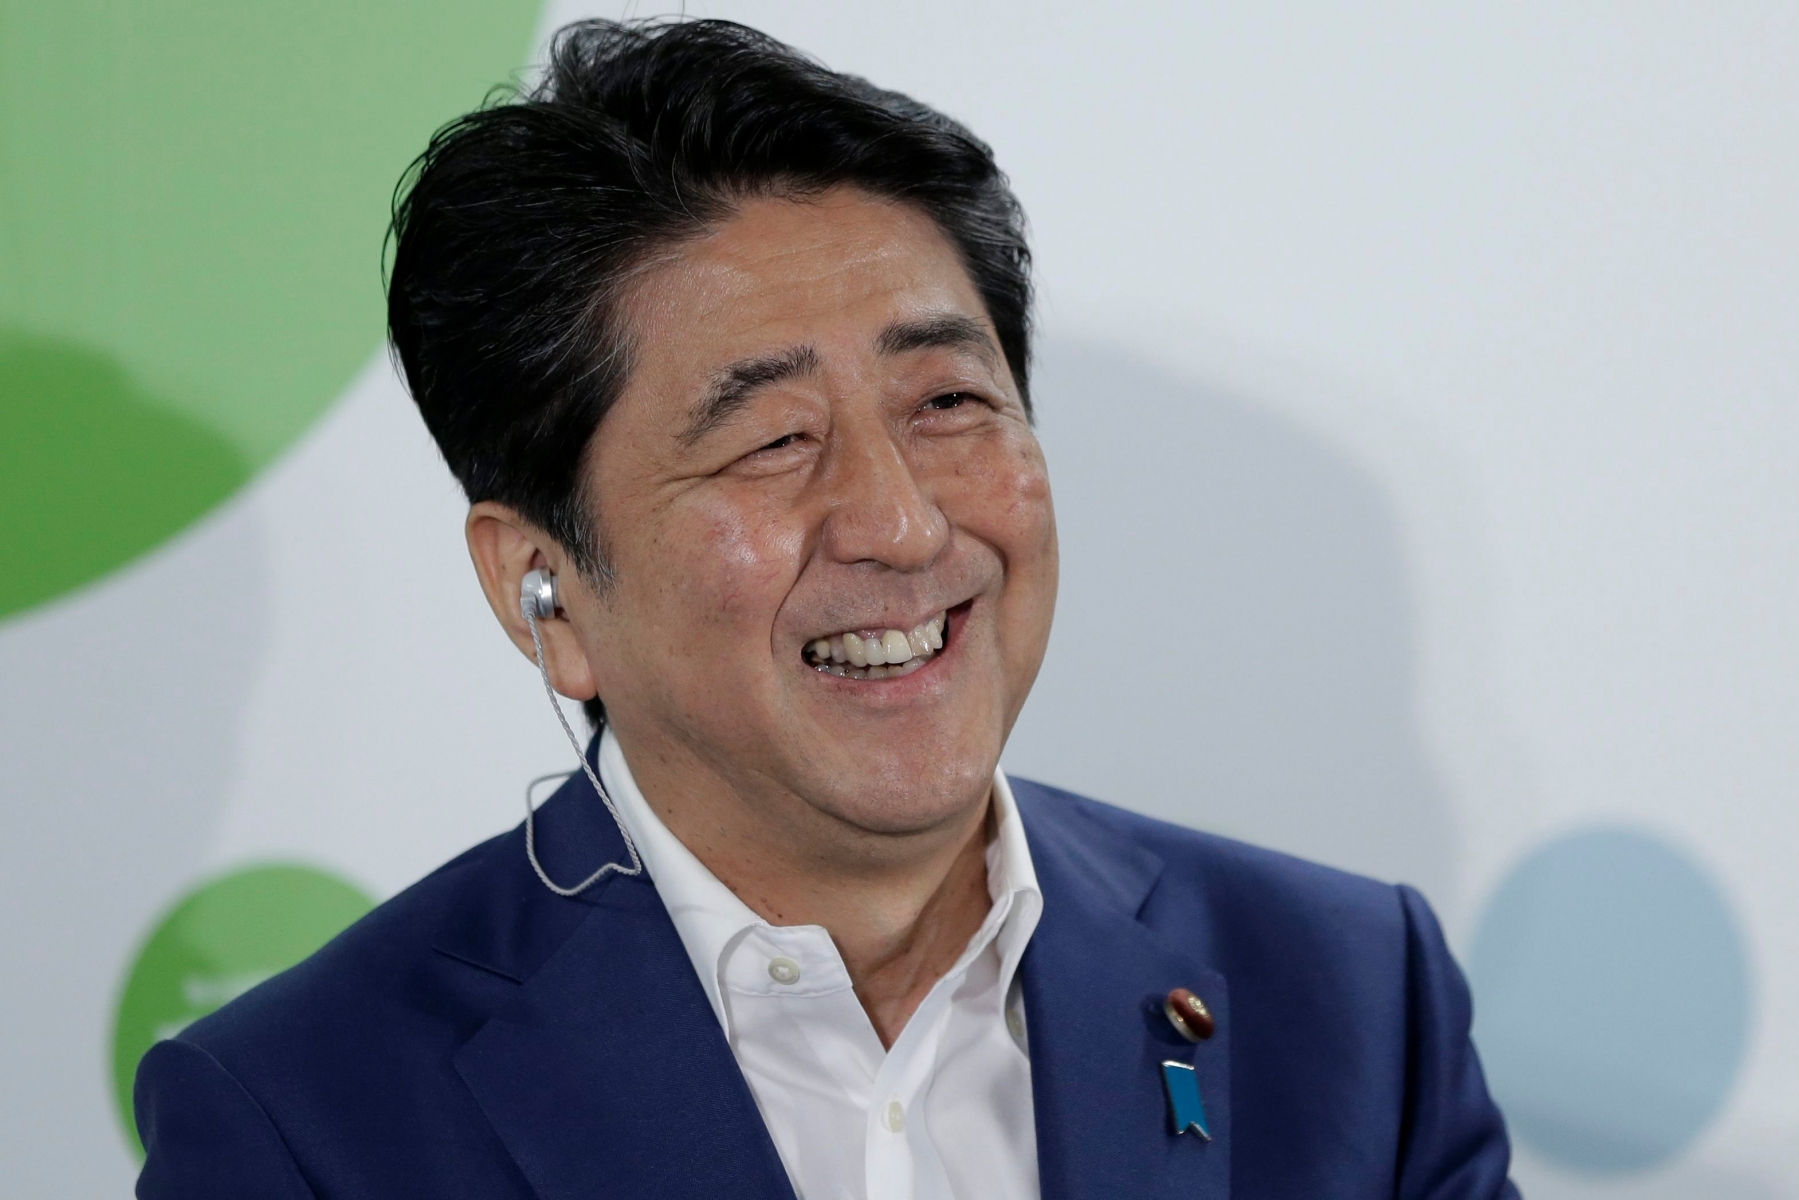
[[1680, 1180], [1235, 644], [1711, 1181]]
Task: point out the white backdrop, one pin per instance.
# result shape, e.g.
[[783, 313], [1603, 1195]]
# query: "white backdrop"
[[1420, 393]]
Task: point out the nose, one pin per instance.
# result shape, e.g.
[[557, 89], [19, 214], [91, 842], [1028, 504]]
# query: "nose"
[[878, 511]]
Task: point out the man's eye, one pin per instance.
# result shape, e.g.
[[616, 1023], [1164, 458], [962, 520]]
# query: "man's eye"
[[781, 443], [947, 401]]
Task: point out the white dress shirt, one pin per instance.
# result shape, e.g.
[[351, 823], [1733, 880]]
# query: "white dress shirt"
[[946, 1112]]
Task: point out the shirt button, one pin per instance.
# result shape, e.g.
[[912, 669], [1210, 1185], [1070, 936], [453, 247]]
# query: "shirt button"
[[783, 970], [894, 1117], [1015, 1022]]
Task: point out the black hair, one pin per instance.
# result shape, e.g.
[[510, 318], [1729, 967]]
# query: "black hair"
[[515, 232]]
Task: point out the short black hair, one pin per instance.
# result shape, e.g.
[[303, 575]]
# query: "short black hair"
[[514, 232]]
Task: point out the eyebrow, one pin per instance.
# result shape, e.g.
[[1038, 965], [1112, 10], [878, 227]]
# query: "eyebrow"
[[950, 331], [732, 387]]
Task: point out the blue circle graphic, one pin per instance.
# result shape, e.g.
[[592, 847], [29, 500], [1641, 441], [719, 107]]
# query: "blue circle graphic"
[[1611, 1000]]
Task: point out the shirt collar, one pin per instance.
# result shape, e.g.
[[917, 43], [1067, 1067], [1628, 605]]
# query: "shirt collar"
[[709, 917], [1011, 881]]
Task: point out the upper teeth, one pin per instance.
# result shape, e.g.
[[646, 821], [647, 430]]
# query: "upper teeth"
[[860, 655]]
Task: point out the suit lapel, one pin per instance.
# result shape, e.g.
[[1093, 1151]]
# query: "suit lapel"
[[605, 1072], [1094, 981]]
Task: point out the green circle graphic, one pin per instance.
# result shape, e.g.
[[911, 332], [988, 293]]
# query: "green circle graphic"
[[220, 940], [192, 204]]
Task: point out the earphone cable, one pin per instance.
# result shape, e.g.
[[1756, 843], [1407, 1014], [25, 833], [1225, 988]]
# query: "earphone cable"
[[636, 867]]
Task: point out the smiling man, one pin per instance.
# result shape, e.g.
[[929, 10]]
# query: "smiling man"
[[730, 354]]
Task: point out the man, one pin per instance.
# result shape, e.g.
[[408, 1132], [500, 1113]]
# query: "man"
[[730, 355]]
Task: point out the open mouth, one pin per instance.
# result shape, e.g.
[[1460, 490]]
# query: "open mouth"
[[879, 653]]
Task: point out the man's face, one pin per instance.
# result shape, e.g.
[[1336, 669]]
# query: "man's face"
[[820, 447]]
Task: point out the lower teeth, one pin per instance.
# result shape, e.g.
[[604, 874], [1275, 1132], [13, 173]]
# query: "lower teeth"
[[845, 671]]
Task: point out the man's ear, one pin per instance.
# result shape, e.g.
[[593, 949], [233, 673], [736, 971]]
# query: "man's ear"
[[505, 547]]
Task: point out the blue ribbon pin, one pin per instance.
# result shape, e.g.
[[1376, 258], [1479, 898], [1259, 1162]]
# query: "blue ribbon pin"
[[1188, 1109]]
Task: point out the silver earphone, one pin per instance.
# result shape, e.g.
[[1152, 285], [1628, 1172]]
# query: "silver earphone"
[[537, 601], [538, 594]]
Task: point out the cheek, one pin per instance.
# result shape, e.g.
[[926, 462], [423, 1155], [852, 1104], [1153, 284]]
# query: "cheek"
[[1003, 497], [1007, 504], [725, 568]]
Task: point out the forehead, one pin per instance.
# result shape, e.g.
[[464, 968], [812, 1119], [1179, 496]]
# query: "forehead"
[[828, 271]]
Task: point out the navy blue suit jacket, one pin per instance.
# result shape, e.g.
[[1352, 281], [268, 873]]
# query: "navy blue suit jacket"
[[478, 1036]]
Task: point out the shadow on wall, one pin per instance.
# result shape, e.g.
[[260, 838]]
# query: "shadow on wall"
[[1680, 1181], [1234, 642]]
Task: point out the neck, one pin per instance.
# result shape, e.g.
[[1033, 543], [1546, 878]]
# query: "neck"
[[901, 908]]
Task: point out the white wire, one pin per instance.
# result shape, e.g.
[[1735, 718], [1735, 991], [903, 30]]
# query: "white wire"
[[636, 867]]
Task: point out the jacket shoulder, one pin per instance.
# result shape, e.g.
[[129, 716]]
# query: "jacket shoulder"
[[1194, 853], [1233, 900], [364, 980], [343, 1069]]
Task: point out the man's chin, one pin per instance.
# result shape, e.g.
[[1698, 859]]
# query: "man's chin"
[[903, 799]]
